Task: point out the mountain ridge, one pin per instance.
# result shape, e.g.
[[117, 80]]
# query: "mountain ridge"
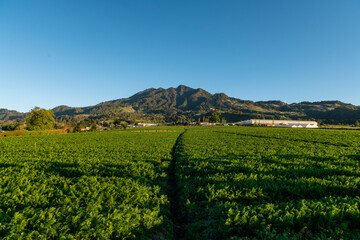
[[192, 103]]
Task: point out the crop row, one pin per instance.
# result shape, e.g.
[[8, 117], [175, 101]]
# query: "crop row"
[[233, 182], [108, 185], [261, 183]]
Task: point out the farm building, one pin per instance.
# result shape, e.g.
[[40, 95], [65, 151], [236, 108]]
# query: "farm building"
[[207, 124], [280, 123], [148, 124]]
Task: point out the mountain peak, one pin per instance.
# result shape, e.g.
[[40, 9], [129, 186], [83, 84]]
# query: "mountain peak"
[[183, 87], [187, 101]]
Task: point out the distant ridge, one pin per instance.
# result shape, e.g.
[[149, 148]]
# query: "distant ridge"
[[6, 115], [184, 100]]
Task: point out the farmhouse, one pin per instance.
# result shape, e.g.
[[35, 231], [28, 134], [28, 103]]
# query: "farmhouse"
[[279, 123]]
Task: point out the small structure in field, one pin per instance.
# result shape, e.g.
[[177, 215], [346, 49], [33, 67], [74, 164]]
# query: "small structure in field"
[[207, 124], [279, 123], [85, 129], [148, 124]]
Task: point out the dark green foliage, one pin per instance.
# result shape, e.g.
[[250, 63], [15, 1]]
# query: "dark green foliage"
[[117, 122], [93, 126], [265, 183], [357, 123], [9, 127], [96, 185], [77, 128], [233, 182], [214, 118], [40, 119]]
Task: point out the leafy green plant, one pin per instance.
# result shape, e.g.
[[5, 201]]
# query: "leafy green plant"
[[266, 183], [96, 185]]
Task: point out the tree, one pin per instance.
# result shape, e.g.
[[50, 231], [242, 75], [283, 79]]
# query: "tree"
[[40, 119], [214, 118], [117, 122], [9, 127], [93, 126], [357, 123], [77, 128]]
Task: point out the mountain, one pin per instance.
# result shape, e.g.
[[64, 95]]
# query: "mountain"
[[173, 103], [9, 115]]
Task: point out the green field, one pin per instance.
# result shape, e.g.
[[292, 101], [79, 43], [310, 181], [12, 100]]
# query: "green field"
[[176, 183]]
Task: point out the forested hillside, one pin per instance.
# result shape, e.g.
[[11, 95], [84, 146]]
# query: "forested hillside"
[[185, 103]]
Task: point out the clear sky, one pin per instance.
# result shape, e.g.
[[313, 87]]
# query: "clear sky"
[[81, 53]]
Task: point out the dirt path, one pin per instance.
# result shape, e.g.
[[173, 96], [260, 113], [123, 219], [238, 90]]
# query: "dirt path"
[[173, 192]]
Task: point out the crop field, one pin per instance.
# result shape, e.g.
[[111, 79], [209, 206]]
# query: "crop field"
[[177, 183], [264, 183], [101, 185]]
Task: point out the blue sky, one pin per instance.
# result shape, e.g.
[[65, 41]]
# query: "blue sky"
[[81, 53]]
